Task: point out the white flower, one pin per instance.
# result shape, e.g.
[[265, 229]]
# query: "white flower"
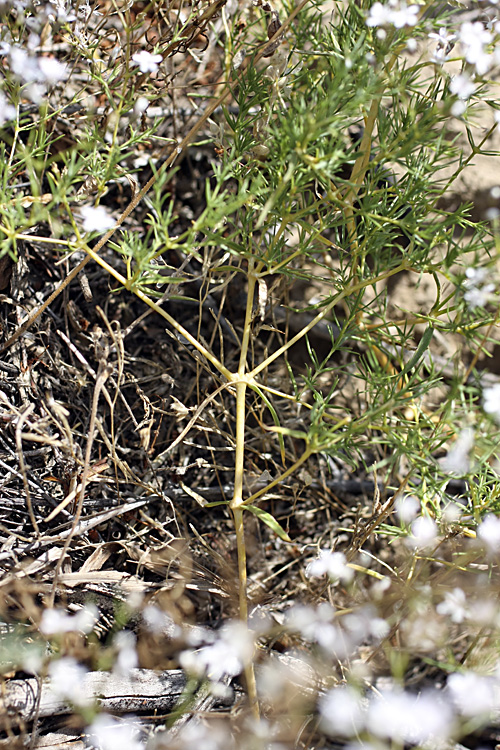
[[140, 106], [332, 563], [7, 111], [472, 694], [392, 15], [109, 733], [407, 718], [474, 38], [96, 219], [226, 656], [380, 15], [364, 624], [462, 86], [457, 460], [444, 43], [453, 604], [407, 507], [127, 658], [58, 621], [23, 65], [147, 62], [405, 16], [67, 681], [159, 622], [316, 626], [477, 291], [423, 532], [51, 70], [488, 530], [491, 401], [342, 712]]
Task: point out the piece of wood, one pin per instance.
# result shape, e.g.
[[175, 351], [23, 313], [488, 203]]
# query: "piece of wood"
[[143, 690]]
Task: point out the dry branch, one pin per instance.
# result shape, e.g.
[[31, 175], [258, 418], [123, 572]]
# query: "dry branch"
[[143, 691]]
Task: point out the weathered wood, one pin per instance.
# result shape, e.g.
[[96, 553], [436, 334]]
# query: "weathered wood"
[[144, 690]]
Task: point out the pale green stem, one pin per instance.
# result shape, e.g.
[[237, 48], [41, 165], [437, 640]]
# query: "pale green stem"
[[347, 291]]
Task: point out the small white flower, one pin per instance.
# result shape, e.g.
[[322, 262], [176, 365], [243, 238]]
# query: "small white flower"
[[457, 460], [392, 15], [454, 605], [226, 656], [474, 38], [462, 86], [23, 65], [109, 733], [342, 712], [380, 15], [67, 681], [472, 694], [140, 107], [477, 291], [488, 530], [423, 532], [405, 16], [407, 507], [127, 658], [491, 401], [7, 111], [96, 219], [147, 62], [334, 564], [407, 718], [444, 44], [51, 70], [58, 621]]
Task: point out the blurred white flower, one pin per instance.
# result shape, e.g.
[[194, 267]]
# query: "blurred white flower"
[[491, 401], [7, 111], [212, 736], [454, 605], [407, 507], [462, 86], [96, 219], [472, 694], [393, 14], [147, 62], [364, 624], [380, 15], [23, 65], [477, 290], [58, 621], [342, 712], [316, 626], [474, 38], [405, 16], [51, 70], [67, 681], [109, 733], [157, 621], [457, 460], [408, 718], [488, 531], [228, 655], [127, 658], [423, 532], [334, 564]]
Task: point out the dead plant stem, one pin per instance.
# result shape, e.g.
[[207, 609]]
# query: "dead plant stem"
[[102, 375]]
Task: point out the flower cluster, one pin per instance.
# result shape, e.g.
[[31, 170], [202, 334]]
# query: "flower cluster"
[[491, 401], [429, 718], [393, 13], [478, 287]]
